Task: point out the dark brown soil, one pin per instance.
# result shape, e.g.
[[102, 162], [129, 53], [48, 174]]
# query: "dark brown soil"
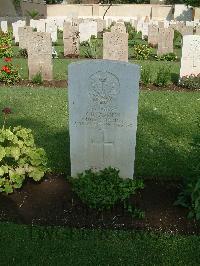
[[52, 202], [63, 84]]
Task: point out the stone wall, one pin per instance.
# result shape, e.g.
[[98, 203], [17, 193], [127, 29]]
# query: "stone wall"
[[39, 6], [7, 8]]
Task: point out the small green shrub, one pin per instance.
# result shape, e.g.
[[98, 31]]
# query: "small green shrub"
[[23, 53], [19, 157], [9, 74], [91, 48], [33, 14], [146, 75], [163, 77], [141, 51], [5, 45], [177, 39], [37, 79], [101, 190], [167, 57], [189, 196], [130, 30], [190, 82]]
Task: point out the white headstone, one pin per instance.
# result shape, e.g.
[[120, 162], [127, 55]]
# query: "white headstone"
[[39, 25], [4, 26], [87, 29], [145, 30], [190, 61], [103, 108], [16, 25], [139, 25], [52, 29]]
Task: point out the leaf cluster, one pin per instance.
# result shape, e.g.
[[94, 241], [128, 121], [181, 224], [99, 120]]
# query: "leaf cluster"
[[5, 45], [102, 190], [19, 158]]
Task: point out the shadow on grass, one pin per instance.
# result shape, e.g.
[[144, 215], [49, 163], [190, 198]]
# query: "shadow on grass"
[[56, 144], [161, 152]]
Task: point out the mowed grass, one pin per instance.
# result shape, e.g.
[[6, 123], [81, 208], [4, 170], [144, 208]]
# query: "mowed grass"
[[167, 124], [26, 245]]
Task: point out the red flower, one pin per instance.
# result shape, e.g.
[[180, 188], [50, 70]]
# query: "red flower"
[[5, 69], [6, 111], [8, 59]]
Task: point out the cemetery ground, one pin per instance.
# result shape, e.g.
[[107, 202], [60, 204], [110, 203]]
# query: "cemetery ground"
[[166, 127], [40, 215]]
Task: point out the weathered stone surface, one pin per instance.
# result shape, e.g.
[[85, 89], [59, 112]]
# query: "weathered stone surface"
[[118, 28], [24, 36], [115, 46], [153, 35], [40, 55], [165, 41], [103, 107], [71, 40], [101, 25], [190, 61]]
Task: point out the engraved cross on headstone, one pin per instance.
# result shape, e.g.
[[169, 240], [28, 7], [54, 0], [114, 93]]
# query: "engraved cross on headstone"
[[104, 144], [195, 54]]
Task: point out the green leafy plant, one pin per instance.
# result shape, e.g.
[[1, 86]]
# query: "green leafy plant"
[[5, 45], [91, 48], [146, 75], [194, 3], [189, 196], [177, 39], [130, 30], [101, 190], [163, 77], [19, 157], [33, 14], [190, 82], [9, 74], [141, 51], [167, 57], [37, 79]]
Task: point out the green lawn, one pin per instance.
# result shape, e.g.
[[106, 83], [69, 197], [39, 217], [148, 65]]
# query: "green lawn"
[[25, 245], [166, 127]]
